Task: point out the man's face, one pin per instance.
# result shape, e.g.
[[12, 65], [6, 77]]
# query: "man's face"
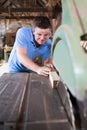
[[41, 35]]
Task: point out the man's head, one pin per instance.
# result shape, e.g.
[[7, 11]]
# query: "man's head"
[[42, 22], [42, 29]]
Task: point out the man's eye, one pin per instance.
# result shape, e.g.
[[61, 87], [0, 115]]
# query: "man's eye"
[[46, 35], [39, 34]]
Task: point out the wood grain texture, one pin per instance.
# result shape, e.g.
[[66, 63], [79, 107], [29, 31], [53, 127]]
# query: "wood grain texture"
[[54, 79]]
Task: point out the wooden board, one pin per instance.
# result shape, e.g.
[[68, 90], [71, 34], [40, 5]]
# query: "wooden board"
[[54, 79], [28, 102], [12, 87]]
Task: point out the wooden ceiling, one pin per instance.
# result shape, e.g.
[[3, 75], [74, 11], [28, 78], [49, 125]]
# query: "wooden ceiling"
[[29, 8]]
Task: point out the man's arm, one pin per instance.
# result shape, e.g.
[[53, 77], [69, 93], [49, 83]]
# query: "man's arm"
[[28, 63]]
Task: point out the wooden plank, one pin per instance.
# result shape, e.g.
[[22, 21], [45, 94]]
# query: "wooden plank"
[[29, 102], [45, 126], [12, 88], [54, 79], [44, 110]]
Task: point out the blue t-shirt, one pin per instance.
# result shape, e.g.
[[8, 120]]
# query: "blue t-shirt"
[[25, 39]]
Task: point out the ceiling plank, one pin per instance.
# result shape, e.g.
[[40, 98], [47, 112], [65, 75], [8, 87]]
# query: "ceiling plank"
[[35, 9]]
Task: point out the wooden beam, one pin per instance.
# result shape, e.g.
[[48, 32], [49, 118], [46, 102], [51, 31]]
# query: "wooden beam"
[[40, 9], [17, 17]]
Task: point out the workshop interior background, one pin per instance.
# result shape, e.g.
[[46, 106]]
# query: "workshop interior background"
[[16, 14]]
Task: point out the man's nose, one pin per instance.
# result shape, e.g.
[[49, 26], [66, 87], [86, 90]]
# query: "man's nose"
[[42, 36]]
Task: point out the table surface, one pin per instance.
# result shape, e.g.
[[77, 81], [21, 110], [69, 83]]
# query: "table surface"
[[28, 102]]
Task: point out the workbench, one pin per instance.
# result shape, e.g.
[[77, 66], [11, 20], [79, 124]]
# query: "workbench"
[[28, 102]]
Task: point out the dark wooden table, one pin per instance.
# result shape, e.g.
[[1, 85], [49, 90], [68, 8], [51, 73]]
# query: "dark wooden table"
[[28, 102]]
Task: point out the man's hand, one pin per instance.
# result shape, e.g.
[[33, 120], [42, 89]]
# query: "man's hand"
[[50, 66], [44, 70], [48, 63], [84, 45]]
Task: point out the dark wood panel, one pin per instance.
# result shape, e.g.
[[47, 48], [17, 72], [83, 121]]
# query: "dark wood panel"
[[46, 126], [43, 108], [28, 102], [11, 95], [43, 101]]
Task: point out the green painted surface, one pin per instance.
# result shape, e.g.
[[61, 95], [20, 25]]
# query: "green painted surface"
[[68, 56]]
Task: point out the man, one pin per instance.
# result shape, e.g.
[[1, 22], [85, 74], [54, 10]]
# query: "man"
[[31, 50]]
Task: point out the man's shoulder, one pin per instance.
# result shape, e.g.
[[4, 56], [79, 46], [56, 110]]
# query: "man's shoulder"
[[49, 41], [25, 29]]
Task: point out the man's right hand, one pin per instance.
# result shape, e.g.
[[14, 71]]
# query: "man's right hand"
[[44, 70]]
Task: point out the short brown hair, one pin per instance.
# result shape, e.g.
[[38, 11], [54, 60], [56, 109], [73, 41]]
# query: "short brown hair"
[[42, 22]]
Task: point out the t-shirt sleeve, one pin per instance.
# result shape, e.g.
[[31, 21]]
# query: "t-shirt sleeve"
[[21, 39]]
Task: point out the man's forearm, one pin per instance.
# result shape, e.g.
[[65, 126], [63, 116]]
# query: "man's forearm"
[[28, 63]]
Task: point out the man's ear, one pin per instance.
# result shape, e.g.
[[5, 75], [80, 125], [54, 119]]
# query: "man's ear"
[[33, 30], [50, 34]]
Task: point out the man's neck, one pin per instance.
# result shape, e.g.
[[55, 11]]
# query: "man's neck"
[[36, 43]]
